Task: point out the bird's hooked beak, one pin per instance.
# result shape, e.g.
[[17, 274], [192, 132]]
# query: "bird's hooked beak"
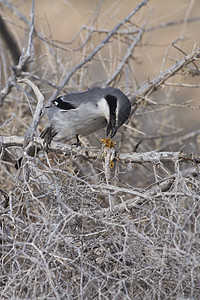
[[111, 128]]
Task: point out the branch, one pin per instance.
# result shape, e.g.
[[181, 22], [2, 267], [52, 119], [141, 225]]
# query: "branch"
[[22, 61], [157, 157], [140, 196], [145, 157], [39, 107], [161, 78], [127, 55], [127, 32], [30, 132], [96, 50]]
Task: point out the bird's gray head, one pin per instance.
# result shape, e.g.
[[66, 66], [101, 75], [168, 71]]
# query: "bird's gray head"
[[116, 109]]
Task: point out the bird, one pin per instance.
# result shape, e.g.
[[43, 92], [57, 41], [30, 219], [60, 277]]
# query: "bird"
[[83, 113]]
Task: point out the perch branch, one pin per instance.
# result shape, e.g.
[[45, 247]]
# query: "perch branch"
[[145, 157]]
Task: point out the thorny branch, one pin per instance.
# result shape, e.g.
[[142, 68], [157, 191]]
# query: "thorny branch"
[[127, 55], [24, 59], [146, 157], [153, 84], [102, 44]]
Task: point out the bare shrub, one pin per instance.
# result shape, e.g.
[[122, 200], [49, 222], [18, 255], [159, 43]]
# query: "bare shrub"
[[72, 227]]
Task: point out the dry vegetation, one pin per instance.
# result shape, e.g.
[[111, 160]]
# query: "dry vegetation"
[[72, 227]]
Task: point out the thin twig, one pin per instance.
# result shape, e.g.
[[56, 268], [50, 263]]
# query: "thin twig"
[[102, 44], [24, 58], [126, 57], [153, 84]]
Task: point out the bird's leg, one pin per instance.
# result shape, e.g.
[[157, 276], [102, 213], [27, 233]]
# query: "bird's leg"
[[78, 143]]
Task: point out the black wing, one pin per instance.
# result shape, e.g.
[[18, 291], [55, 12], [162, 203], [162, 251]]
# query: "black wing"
[[63, 104]]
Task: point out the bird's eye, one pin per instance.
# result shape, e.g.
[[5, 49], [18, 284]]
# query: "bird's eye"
[[55, 103]]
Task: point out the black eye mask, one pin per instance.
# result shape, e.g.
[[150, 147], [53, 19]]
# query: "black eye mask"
[[112, 103]]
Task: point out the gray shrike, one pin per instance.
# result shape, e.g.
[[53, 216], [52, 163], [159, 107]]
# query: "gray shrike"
[[83, 113]]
